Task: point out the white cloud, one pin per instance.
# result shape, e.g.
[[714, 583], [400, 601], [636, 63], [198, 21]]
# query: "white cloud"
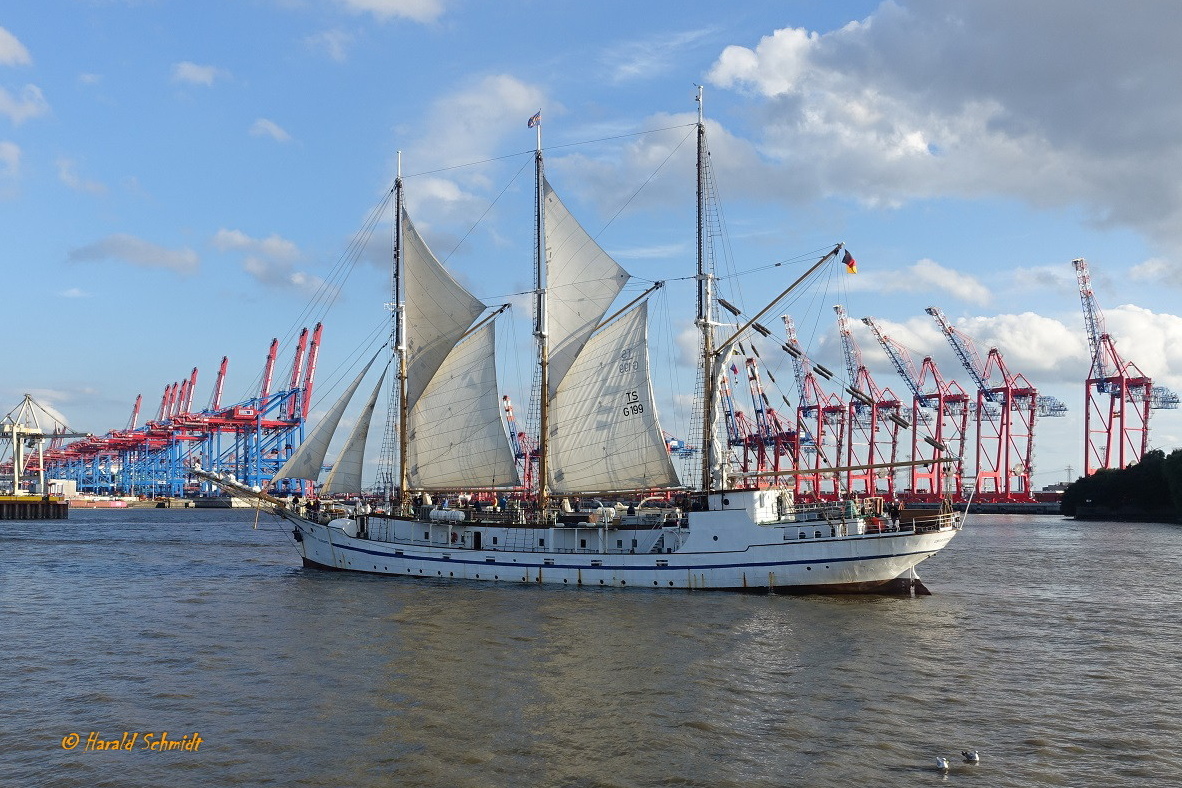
[[194, 74], [125, 248], [12, 51], [658, 252], [333, 43], [68, 175], [10, 166], [1041, 348], [271, 261], [1153, 342], [29, 104], [649, 57], [90, 79], [1158, 270], [925, 276], [414, 10], [468, 125], [269, 128], [925, 100], [274, 247], [74, 292]]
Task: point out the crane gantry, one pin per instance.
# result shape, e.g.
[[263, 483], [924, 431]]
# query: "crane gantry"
[[940, 409], [1005, 416], [1118, 395]]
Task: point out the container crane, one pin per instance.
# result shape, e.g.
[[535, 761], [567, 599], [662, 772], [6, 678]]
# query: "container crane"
[[1118, 395], [943, 409], [1005, 419], [820, 423], [769, 438], [873, 422], [524, 447]]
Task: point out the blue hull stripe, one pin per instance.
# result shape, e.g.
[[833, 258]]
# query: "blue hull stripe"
[[626, 567]]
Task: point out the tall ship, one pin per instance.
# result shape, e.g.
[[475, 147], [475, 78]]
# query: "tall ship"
[[597, 500]]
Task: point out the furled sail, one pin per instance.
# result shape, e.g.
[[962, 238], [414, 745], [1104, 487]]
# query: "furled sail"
[[604, 433], [438, 311], [719, 447], [307, 460], [345, 476], [455, 436], [581, 283]]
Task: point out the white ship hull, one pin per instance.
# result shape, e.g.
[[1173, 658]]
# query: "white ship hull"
[[723, 550]]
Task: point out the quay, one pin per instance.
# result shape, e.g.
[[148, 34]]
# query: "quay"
[[32, 507]]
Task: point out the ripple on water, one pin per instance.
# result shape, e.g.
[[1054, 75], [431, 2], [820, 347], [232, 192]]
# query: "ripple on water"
[[1027, 651]]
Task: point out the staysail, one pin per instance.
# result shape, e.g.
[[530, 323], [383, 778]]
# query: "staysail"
[[604, 433], [456, 437], [345, 476], [581, 283], [307, 460], [438, 311]]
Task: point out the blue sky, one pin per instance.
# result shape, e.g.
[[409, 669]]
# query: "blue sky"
[[178, 180]]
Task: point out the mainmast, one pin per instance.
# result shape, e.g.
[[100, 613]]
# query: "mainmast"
[[399, 338], [705, 300], [541, 326]]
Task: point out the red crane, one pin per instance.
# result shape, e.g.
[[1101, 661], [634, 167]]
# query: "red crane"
[[219, 384], [1005, 419], [1119, 395], [872, 426], [820, 423], [297, 362], [942, 408], [310, 370]]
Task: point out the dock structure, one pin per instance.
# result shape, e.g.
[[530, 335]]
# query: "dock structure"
[[251, 439], [23, 432], [32, 507]]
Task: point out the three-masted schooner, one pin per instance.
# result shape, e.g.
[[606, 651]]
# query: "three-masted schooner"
[[599, 438]]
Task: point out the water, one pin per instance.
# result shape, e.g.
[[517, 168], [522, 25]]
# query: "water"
[[1055, 648]]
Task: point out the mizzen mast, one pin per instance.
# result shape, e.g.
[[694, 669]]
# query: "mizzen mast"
[[541, 326], [399, 339]]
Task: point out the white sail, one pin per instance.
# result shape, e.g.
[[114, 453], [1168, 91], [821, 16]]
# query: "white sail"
[[307, 460], [604, 433], [345, 476], [438, 311], [581, 283], [455, 436], [720, 453]]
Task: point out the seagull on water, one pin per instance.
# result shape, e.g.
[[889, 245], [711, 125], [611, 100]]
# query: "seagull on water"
[[942, 764], [971, 756]]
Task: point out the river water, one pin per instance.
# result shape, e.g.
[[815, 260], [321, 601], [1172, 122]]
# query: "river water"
[[1053, 647]]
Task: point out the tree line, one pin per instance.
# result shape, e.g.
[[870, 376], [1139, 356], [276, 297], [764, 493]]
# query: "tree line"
[[1147, 490]]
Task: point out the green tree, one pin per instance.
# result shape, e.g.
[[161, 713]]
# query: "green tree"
[[1152, 484]]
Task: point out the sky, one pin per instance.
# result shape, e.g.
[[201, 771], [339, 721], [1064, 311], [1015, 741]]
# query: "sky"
[[185, 180]]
